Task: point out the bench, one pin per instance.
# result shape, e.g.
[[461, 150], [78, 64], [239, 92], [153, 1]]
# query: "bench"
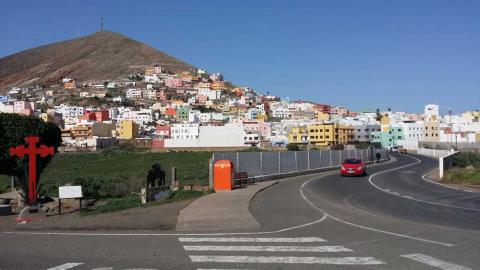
[[241, 178]]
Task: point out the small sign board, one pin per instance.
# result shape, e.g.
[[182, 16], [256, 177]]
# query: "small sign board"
[[70, 192]]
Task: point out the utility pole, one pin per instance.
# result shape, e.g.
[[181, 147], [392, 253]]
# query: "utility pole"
[[101, 24]]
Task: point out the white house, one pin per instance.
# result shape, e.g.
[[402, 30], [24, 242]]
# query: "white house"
[[118, 99], [151, 78], [134, 93], [209, 93], [185, 131], [69, 112], [112, 85], [251, 114], [413, 131], [208, 136]]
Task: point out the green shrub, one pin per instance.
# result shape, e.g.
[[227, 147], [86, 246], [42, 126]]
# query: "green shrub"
[[465, 159], [293, 147]]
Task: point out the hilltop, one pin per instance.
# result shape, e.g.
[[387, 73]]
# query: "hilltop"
[[100, 56]]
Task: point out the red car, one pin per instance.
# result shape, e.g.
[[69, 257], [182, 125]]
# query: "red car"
[[353, 167]]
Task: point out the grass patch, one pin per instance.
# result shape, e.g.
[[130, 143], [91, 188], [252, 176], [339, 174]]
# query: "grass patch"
[[192, 167], [463, 176], [134, 201]]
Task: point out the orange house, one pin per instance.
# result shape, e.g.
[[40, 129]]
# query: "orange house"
[[170, 112], [71, 84]]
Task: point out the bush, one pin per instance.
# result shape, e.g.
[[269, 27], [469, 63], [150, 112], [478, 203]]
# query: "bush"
[[337, 147], [293, 147], [465, 159], [101, 187]]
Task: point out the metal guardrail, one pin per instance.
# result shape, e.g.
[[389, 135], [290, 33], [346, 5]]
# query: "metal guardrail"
[[268, 165]]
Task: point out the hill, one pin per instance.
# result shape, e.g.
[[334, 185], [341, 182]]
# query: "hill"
[[101, 56]]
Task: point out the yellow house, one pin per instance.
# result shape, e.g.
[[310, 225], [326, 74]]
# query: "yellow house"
[[149, 71], [477, 137], [385, 120], [218, 86], [127, 129], [322, 117], [431, 131], [298, 135], [329, 134], [262, 117]]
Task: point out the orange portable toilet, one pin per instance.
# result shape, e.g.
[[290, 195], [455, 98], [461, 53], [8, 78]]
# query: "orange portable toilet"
[[223, 175]]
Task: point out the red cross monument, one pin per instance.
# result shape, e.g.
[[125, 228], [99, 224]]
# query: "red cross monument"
[[32, 151]]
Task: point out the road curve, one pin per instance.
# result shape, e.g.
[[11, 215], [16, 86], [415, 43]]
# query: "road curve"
[[392, 213]]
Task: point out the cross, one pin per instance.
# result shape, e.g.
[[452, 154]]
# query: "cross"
[[32, 152]]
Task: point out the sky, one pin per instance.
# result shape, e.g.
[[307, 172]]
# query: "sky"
[[362, 54]]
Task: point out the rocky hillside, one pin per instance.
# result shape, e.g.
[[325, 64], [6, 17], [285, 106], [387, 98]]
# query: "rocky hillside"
[[101, 56]]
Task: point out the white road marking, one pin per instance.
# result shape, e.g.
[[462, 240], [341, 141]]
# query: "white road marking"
[[435, 262], [365, 227], [288, 260], [409, 197], [65, 266], [252, 239], [270, 248], [219, 269]]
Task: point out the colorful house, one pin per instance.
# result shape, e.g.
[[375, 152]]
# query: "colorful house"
[[389, 136], [330, 134], [127, 129], [298, 135]]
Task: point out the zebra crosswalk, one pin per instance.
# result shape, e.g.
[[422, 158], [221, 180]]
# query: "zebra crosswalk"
[[239, 250]]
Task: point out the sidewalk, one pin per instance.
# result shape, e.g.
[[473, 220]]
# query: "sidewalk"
[[222, 211]]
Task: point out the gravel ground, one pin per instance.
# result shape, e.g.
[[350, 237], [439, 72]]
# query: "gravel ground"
[[162, 217]]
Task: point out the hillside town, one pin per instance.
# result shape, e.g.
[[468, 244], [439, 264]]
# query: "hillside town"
[[193, 109]]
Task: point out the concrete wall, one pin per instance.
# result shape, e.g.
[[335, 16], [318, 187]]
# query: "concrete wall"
[[212, 136], [445, 163], [436, 153]]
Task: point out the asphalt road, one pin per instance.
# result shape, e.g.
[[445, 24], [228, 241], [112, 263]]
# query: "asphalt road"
[[390, 219]]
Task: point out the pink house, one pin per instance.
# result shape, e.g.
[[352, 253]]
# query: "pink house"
[[261, 128], [21, 106], [174, 82], [202, 99]]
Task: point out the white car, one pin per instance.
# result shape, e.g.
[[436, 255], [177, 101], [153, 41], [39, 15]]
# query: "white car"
[[395, 148]]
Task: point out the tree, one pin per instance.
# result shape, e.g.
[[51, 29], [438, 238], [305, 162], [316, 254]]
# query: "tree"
[[13, 130]]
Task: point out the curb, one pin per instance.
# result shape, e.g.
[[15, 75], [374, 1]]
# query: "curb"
[[465, 189]]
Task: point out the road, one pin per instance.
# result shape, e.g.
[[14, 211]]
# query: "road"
[[390, 219]]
